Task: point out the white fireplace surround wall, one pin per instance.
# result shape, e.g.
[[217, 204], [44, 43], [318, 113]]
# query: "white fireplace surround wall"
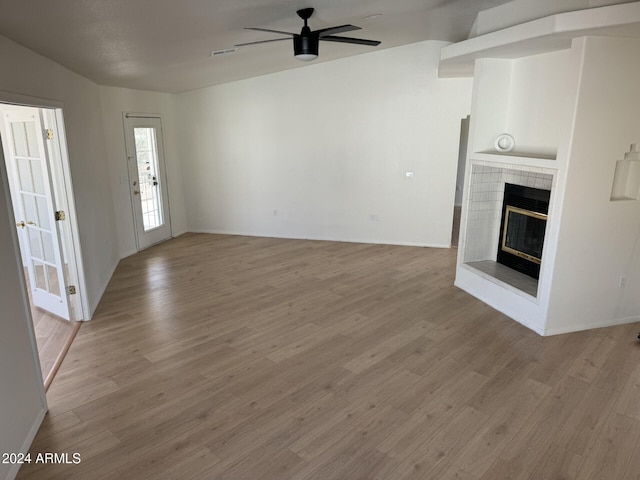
[[565, 87], [485, 197]]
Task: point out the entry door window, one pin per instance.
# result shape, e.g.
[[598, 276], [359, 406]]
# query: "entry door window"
[[148, 175]]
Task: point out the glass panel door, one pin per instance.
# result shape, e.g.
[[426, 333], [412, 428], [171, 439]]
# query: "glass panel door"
[[145, 154], [38, 229]]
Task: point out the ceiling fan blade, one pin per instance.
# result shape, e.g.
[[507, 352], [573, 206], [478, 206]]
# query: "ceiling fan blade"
[[359, 41], [270, 31], [339, 29], [261, 41]]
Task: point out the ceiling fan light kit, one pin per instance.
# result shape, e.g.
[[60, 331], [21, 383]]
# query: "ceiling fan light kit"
[[305, 48], [305, 44]]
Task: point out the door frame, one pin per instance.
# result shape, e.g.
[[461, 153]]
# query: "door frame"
[[163, 174], [72, 242], [72, 245]]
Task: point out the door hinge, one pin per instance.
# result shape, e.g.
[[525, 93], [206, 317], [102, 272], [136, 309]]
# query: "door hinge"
[[71, 290], [60, 215], [48, 134]]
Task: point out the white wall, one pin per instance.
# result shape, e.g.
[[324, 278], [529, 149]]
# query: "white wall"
[[551, 76], [520, 11], [22, 401], [321, 152], [114, 102], [599, 239], [26, 73]]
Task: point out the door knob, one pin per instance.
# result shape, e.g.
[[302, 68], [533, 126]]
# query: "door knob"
[[136, 192], [23, 224]]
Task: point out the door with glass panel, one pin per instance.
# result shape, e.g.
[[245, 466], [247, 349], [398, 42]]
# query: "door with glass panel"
[[40, 236], [147, 179]]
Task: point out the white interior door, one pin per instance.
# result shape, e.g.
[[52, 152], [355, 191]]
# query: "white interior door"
[[147, 178], [40, 236]]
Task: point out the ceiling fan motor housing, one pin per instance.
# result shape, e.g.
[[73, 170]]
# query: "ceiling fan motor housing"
[[306, 44]]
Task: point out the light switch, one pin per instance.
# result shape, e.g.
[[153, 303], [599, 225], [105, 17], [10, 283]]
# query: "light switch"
[[408, 175]]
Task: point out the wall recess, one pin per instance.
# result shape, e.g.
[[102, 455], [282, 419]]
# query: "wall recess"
[[626, 181]]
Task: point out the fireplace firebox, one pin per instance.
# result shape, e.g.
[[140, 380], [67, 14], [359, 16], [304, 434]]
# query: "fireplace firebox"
[[522, 228]]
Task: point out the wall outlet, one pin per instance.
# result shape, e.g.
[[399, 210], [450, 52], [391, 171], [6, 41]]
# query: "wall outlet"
[[374, 217], [408, 175], [623, 282]]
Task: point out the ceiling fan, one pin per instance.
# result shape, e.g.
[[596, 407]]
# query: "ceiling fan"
[[305, 44]]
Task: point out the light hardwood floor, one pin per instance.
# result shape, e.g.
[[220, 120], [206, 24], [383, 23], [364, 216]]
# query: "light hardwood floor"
[[52, 337], [225, 357]]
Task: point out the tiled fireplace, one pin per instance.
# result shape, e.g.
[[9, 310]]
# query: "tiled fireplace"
[[484, 214]]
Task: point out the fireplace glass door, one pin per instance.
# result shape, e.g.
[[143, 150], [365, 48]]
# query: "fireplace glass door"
[[523, 233], [522, 228]]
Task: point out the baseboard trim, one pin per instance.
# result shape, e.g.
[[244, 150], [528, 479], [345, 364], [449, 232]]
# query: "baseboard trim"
[[321, 239], [610, 323]]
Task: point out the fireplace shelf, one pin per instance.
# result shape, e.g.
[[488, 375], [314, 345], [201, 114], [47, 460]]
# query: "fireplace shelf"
[[508, 278], [517, 158]]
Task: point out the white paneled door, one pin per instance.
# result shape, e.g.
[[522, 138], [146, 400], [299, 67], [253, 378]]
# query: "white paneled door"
[[147, 178], [36, 216]]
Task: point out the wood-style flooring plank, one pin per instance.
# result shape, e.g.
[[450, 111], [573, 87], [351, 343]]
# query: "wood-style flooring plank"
[[247, 358], [612, 451]]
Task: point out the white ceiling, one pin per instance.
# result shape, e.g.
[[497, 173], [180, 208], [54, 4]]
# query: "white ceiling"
[[164, 45]]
